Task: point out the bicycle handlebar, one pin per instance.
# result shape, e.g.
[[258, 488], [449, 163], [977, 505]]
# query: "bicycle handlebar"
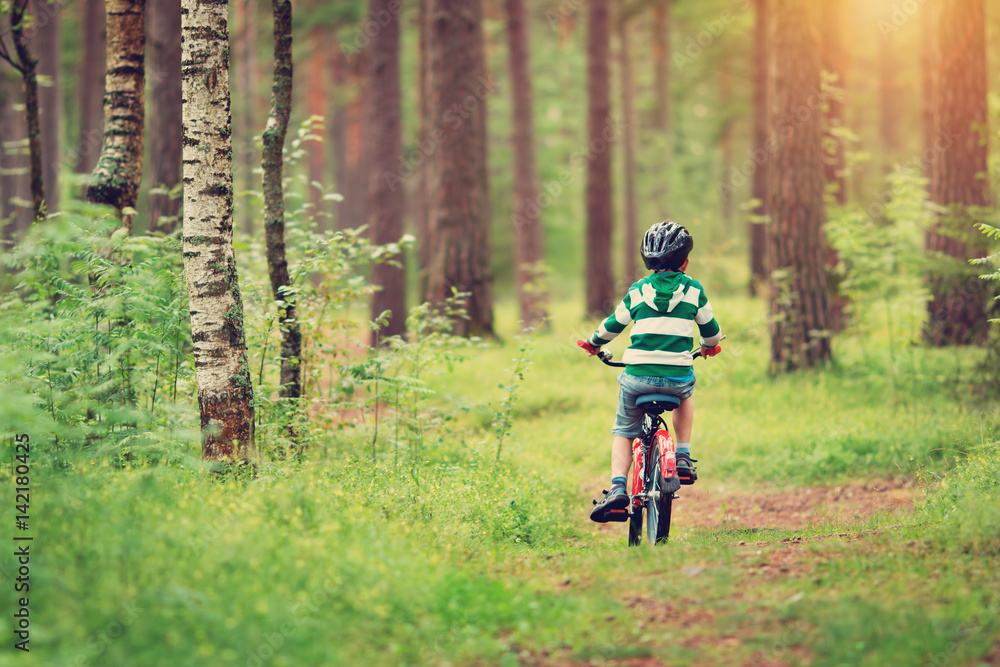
[[605, 356]]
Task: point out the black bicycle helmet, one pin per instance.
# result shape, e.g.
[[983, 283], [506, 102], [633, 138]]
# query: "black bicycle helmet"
[[666, 245]]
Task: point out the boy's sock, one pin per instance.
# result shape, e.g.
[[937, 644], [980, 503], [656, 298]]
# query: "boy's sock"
[[683, 448], [617, 486]]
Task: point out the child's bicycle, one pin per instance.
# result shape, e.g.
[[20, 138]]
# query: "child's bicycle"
[[654, 468]]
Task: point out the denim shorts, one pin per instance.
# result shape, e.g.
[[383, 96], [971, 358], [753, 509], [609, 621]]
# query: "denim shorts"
[[628, 421]]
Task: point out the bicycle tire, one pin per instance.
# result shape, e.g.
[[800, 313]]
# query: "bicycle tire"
[[659, 511], [635, 526]]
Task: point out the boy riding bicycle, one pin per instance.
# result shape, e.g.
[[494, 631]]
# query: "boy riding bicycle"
[[665, 306]]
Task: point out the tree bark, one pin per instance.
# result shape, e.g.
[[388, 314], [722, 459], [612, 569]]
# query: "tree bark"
[[115, 179], [759, 266], [458, 214], [628, 137], [46, 43], [274, 201], [423, 196], [661, 53], [599, 282], [165, 117], [957, 313], [27, 66], [384, 139], [799, 297], [12, 161], [225, 391], [338, 130], [91, 89], [835, 58], [526, 216]]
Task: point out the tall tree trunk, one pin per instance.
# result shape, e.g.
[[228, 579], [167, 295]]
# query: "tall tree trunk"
[[661, 53], [274, 200], [458, 215], [46, 43], [799, 297], [599, 283], [958, 309], [91, 89], [116, 177], [628, 137], [246, 60], [726, 137], [165, 117], [384, 140], [527, 212], [27, 65], [316, 105], [759, 266], [835, 57], [225, 390]]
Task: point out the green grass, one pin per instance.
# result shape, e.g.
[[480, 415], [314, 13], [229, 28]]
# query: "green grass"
[[467, 561]]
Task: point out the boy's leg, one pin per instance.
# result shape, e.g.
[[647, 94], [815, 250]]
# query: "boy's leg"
[[621, 456], [616, 501], [683, 418]]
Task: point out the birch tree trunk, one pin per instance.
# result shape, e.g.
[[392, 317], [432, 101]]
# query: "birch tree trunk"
[[799, 296], [116, 177], [527, 212], [274, 200], [165, 116], [597, 268], [225, 392], [384, 139], [91, 90]]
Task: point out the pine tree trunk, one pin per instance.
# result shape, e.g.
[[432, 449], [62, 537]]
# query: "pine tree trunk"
[[423, 196], [115, 179], [12, 161], [28, 67], [799, 297], [338, 130], [46, 43], [527, 212], [661, 53], [760, 271], [384, 141], [628, 137], [91, 89], [958, 310], [165, 117], [458, 211], [835, 59], [274, 200], [599, 282], [225, 391]]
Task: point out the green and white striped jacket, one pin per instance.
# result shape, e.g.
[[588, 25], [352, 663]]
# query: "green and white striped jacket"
[[665, 307]]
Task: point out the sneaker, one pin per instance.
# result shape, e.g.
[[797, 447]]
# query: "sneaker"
[[685, 468], [612, 507]]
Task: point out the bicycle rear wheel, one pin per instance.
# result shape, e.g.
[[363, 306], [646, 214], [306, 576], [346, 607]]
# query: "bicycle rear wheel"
[[659, 506], [635, 526]]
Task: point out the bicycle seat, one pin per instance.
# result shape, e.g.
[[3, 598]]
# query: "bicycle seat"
[[657, 403]]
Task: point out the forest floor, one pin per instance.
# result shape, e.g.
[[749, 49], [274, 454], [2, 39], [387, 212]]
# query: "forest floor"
[[848, 516]]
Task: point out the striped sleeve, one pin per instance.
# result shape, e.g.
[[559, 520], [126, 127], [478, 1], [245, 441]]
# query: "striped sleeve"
[[709, 329], [613, 325]]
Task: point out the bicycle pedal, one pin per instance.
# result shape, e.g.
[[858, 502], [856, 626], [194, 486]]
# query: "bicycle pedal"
[[618, 516]]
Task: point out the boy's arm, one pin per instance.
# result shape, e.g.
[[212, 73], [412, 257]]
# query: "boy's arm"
[[711, 332], [612, 326]]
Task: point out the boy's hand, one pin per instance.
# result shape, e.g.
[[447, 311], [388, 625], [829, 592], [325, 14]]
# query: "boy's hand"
[[710, 351], [591, 350]]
